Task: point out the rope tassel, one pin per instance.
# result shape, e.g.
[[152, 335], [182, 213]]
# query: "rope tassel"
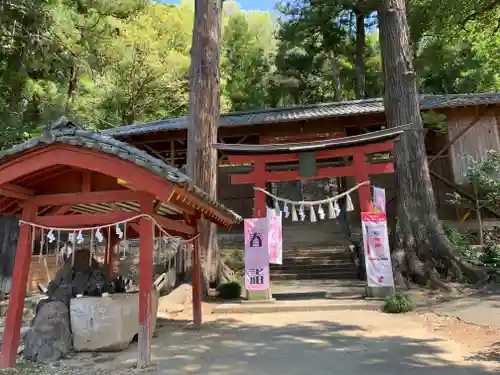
[[331, 211], [349, 205], [336, 210], [313, 215], [294, 214]]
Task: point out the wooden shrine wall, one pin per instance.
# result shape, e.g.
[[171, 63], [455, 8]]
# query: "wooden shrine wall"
[[474, 144]]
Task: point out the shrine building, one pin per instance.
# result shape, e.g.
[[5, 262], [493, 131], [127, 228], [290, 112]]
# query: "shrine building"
[[317, 151]]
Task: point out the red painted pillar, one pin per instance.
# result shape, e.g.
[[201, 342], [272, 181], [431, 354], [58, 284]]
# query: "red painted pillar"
[[259, 201], [12, 331], [145, 284], [361, 175], [196, 277]]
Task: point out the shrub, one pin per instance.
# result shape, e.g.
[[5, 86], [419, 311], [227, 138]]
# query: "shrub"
[[461, 241], [230, 290], [397, 304], [236, 261]]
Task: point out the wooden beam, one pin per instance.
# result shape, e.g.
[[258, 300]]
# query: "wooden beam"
[[58, 210], [86, 182], [146, 249], [196, 277], [174, 225], [323, 154], [16, 191], [75, 221], [461, 191], [209, 212], [476, 119], [12, 334], [86, 198], [93, 160], [172, 153]]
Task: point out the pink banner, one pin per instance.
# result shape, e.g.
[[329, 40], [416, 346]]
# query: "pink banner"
[[256, 254], [379, 199], [274, 224]]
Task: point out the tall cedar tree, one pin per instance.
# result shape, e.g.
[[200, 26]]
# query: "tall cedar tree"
[[422, 253], [204, 107]]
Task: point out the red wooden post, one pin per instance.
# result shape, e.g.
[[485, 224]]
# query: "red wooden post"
[[196, 279], [18, 291], [259, 200], [145, 284], [361, 175]]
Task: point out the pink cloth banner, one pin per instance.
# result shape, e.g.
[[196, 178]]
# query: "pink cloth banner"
[[274, 224], [379, 203], [256, 254]]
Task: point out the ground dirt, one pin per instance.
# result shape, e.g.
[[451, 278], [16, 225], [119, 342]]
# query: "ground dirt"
[[342, 342]]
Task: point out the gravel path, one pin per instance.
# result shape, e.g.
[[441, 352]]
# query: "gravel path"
[[341, 342]]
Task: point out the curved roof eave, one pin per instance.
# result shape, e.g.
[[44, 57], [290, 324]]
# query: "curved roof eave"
[[74, 136], [352, 141]]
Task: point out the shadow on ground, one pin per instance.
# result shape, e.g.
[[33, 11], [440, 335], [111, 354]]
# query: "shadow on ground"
[[310, 348]]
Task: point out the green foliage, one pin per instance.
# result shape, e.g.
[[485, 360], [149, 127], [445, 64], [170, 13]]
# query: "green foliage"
[[230, 290], [235, 261], [435, 121], [491, 253], [483, 175], [398, 303], [108, 63], [462, 242]]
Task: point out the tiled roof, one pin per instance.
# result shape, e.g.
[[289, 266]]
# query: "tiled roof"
[[376, 136], [70, 134], [336, 109]]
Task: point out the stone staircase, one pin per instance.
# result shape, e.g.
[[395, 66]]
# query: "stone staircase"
[[315, 251], [311, 251]]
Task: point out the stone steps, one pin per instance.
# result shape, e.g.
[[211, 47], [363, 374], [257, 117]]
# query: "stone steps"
[[331, 275]]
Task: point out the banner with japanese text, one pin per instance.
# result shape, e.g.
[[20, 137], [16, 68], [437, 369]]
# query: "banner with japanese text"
[[275, 236], [377, 251], [256, 254]]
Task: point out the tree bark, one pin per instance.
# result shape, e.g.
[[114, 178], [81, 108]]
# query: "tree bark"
[[360, 54], [336, 78], [422, 253], [204, 107]]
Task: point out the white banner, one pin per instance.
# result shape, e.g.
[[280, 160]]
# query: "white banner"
[[377, 251], [256, 254], [275, 236], [379, 202]]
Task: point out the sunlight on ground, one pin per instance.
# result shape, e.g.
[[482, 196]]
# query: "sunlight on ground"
[[347, 342]]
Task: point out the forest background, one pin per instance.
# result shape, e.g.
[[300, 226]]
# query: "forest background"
[[107, 63]]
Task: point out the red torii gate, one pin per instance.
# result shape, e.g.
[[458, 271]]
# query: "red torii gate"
[[74, 178], [356, 146]]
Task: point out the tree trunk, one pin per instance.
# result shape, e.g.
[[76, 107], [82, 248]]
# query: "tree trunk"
[[336, 78], [360, 54], [422, 252], [204, 106]]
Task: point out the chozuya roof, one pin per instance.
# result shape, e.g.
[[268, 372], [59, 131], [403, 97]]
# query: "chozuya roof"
[[64, 131], [309, 112], [315, 145]]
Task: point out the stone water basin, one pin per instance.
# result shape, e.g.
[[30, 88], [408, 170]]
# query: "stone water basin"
[[107, 323]]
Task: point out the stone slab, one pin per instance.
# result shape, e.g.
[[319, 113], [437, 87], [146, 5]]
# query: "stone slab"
[[292, 306], [257, 295], [379, 292], [107, 323]]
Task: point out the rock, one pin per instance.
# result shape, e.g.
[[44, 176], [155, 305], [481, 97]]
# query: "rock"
[[63, 293], [107, 323], [49, 339], [181, 296]]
